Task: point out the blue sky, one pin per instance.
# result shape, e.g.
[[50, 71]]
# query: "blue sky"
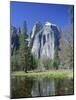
[[32, 12]]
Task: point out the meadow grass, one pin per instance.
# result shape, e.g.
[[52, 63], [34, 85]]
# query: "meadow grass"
[[46, 74]]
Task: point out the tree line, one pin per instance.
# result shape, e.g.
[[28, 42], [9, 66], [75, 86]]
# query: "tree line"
[[21, 57]]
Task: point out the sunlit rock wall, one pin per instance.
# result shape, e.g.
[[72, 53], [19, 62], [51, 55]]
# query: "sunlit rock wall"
[[45, 41]]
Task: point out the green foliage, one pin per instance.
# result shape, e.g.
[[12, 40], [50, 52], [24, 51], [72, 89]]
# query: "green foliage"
[[40, 65], [56, 61], [45, 64], [22, 58], [24, 54], [24, 29], [33, 62], [14, 61], [48, 64]]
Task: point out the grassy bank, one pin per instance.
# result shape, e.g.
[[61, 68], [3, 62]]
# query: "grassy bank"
[[47, 74]]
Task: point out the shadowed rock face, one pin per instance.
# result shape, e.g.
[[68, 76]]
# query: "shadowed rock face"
[[36, 28], [14, 39], [45, 40]]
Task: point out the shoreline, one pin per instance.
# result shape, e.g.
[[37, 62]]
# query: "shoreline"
[[46, 74]]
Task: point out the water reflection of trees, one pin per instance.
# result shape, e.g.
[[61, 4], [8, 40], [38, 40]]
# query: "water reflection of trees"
[[23, 87]]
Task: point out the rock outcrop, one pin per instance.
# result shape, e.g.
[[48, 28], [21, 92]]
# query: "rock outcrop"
[[14, 39], [45, 40]]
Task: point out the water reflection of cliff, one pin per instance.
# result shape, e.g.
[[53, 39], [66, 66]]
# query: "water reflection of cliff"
[[43, 88], [22, 87]]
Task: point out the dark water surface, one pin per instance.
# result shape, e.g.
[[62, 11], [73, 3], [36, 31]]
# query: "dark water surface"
[[22, 87]]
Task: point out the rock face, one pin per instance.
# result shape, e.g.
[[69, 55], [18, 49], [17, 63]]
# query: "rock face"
[[14, 39], [45, 40]]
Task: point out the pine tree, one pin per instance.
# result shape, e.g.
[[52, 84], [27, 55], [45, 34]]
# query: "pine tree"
[[56, 61], [23, 50], [14, 61]]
